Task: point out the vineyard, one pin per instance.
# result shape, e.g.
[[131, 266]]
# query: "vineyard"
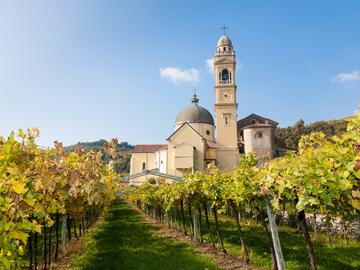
[[48, 195], [323, 178]]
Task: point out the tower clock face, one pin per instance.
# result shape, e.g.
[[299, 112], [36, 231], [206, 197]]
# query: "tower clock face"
[[226, 95]]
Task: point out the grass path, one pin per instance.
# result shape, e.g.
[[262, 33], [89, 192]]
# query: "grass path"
[[125, 241]]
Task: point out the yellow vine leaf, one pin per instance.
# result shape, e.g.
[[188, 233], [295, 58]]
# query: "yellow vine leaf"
[[356, 204], [30, 202], [37, 228], [20, 235], [18, 188]]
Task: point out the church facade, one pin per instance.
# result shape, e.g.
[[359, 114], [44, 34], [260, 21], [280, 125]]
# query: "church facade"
[[195, 142]]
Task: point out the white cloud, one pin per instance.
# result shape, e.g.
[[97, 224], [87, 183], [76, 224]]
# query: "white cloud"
[[210, 64], [347, 77], [178, 75]]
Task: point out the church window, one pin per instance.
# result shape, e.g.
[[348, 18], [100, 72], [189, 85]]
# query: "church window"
[[208, 132], [225, 75], [143, 166], [227, 119], [224, 49], [258, 134]]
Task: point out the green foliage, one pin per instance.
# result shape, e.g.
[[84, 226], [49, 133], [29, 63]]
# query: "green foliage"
[[289, 137], [152, 180], [98, 146]]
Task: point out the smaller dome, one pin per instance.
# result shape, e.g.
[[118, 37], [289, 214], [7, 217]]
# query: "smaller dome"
[[194, 114], [224, 41]]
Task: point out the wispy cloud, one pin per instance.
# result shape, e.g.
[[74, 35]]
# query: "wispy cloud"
[[350, 49], [210, 64], [178, 75], [347, 77]]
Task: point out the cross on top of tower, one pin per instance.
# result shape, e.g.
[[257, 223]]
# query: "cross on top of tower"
[[224, 28]]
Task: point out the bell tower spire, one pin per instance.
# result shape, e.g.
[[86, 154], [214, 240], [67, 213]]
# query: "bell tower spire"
[[227, 153]]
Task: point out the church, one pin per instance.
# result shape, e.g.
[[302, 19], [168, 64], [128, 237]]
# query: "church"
[[196, 141]]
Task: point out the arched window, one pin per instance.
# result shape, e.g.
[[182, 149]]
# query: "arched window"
[[224, 75], [143, 166], [258, 135], [224, 49]]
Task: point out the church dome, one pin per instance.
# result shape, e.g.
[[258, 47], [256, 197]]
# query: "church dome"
[[224, 41], [194, 114]]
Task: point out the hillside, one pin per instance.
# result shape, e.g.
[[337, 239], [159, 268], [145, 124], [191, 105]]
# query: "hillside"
[[121, 161], [98, 146], [289, 137]]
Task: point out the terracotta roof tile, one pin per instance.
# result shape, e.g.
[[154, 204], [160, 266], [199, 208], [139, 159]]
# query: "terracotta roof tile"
[[148, 148], [248, 121]]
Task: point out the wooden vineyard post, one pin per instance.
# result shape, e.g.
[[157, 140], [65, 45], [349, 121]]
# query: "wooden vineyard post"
[[63, 233], [275, 237], [195, 222]]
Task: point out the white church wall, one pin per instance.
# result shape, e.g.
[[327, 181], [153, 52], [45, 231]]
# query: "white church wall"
[[260, 146], [163, 161], [186, 135], [138, 159]]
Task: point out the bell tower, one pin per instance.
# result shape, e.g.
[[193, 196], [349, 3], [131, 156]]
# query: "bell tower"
[[227, 153]]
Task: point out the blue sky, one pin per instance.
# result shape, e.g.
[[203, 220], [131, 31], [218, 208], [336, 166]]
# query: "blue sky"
[[85, 70]]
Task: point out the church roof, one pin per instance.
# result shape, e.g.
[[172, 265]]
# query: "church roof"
[[194, 114], [148, 148], [154, 172], [255, 120], [182, 125]]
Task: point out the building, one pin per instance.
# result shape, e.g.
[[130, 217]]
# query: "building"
[[256, 134], [195, 142]]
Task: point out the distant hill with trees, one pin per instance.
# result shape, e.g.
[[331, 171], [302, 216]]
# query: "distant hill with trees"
[[289, 137], [121, 161]]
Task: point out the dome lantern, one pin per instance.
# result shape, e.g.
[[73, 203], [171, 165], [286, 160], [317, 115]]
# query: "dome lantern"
[[194, 100]]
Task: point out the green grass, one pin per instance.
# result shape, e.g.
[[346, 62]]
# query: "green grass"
[[125, 241], [334, 255]]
